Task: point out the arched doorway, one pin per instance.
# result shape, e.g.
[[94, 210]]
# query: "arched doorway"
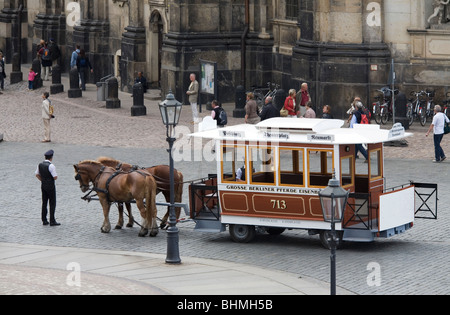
[[155, 42]]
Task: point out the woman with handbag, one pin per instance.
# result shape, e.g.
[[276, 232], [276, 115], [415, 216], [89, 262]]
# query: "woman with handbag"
[[289, 104]]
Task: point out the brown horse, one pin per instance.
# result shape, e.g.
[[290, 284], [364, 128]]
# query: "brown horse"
[[116, 186], [161, 173]]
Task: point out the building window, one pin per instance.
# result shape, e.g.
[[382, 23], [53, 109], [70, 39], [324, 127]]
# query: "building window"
[[291, 9]]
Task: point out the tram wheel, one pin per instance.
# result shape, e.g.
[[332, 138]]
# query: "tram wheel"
[[325, 238], [242, 233]]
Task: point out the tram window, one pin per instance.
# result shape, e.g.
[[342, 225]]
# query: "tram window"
[[347, 171], [291, 167], [233, 158], [262, 165], [320, 167], [375, 163]]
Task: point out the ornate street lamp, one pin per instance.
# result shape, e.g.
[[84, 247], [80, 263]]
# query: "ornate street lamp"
[[333, 200], [170, 110]]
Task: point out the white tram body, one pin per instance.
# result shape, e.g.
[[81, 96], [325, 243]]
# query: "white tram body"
[[284, 163]]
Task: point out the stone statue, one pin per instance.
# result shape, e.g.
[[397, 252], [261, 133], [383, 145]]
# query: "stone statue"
[[440, 11]]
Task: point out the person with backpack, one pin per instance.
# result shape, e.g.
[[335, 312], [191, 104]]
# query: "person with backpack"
[[46, 60], [218, 114], [359, 117], [83, 66]]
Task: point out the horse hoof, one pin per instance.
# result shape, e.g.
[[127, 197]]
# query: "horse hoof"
[[103, 231], [153, 234], [118, 227], [129, 225], [143, 232], [163, 226]]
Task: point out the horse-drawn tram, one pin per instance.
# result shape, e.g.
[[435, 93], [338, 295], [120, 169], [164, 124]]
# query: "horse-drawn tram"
[[269, 176]]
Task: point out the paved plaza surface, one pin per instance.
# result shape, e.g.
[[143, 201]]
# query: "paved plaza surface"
[[416, 262]]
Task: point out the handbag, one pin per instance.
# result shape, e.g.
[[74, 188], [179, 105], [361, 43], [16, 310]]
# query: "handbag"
[[284, 112], [446, 128]]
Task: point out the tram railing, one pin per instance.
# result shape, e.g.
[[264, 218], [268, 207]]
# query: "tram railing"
[[204, 199], [359, 215]]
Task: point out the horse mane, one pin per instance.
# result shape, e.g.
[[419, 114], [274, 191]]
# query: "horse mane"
[[104, 159], [91, 162]]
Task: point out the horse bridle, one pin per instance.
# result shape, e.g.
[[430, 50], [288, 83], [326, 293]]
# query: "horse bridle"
[[79, 178]]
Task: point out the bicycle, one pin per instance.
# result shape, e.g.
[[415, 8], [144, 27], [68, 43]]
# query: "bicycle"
[[415, 108], [383, 111], [445, 103], [429, 112], [262, 93]]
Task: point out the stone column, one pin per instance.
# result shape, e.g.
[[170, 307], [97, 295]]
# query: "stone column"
[[93, 35], [133, 47]]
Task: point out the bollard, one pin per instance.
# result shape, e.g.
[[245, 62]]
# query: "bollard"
[[138, 108], [112, 99], [16, 75], [400, 110], [56, 86], [240, 99], [75, 91]]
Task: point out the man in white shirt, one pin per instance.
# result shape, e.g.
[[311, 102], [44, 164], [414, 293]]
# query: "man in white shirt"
[[437, 126], [46, 173]]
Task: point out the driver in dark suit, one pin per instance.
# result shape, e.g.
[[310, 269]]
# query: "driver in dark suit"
[[46, 173]]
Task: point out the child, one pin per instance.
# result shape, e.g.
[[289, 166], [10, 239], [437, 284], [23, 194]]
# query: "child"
[[31, 76], [326, 110]]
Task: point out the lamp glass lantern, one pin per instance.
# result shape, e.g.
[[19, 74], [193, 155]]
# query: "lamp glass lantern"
[[333, 200], [170, 110]]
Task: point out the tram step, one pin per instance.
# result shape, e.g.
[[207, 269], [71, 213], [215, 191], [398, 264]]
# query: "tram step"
[[358, 235], [209, 226]]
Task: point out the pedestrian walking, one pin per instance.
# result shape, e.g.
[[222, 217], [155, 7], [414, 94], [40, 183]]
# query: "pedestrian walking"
[[46, 116], [83, 66], [437, 126], [251, 110], [193, 97], [74, 57], [46, 173], [356, 119], [304, 97], [269, 110], [46, 61]]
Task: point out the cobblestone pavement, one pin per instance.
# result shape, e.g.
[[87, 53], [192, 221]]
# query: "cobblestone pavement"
[[416, 262]]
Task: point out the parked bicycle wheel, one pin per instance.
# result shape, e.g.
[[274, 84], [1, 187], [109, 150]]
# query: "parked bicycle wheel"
[[410, 114], [384, 115], [377, 113], [422, 117]]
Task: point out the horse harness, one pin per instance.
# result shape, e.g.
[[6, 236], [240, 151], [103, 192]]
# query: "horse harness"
[[108, 182]]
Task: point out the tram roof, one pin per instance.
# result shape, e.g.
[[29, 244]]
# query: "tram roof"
[[302, 130]]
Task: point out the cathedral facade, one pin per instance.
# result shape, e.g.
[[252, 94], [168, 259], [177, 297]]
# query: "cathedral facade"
[[341, 48]]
